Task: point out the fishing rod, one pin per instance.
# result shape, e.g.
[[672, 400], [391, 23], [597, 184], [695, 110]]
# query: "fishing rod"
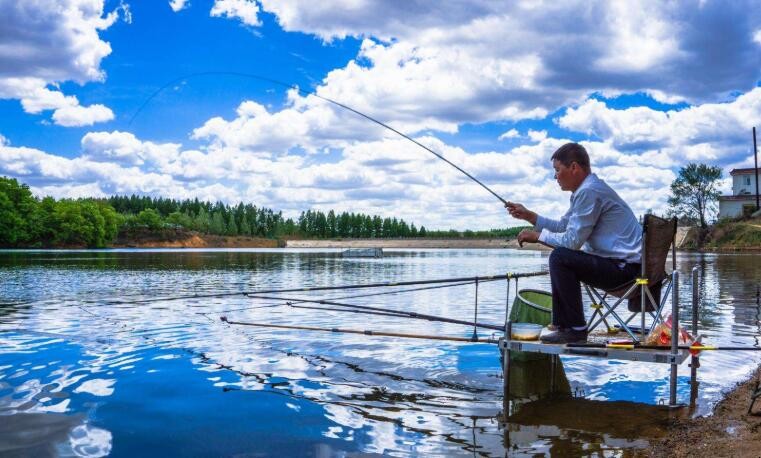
[[306, 92], [354, 296], [332, 288], [366, 332], [660, 347], [367, 312], [421, 316]]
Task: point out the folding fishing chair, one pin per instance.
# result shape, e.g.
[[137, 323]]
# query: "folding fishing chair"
[[643, 294]]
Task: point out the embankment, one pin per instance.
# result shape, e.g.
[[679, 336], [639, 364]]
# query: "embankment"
[[189, 239], [404, 243], [730, 431]]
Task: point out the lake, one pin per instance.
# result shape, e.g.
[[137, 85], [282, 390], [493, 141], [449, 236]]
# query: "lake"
[[93, 361]]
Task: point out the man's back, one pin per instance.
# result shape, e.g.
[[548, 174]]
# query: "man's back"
[[617, 234]]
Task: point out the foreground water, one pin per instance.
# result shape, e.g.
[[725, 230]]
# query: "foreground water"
[[88, 369]]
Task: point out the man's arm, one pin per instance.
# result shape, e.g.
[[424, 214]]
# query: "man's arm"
[[520, 212], [581, 220]]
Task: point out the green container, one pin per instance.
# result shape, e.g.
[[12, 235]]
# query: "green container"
[[532, 306]]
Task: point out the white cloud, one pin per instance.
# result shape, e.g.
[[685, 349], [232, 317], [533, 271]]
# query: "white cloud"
[[310, 123], [75, 116], [43, 43], [124, 148], [387, 176], [427, 67], [715, 132], [34, 96], [4, 141], [178, 5], [537, 135], [246, 11], [512, 133]]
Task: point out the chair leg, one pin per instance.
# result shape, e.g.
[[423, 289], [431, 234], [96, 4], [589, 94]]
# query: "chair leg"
[[661, 305], [591, 324]]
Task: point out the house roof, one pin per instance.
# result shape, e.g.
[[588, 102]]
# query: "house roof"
[[748, 171]]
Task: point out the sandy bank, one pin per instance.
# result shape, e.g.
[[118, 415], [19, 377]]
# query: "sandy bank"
[[409, 243], [729, 432], [194, 240]]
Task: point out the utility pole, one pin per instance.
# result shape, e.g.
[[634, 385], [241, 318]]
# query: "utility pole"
[[755, 160]]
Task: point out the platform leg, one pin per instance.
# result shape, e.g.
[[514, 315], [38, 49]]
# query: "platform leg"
[[694, 361], [674, 338]]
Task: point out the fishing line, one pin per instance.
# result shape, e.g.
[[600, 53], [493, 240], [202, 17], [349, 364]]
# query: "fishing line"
[[354, 296], [367, 312], [415, 315], [409, 314], [312, 93], [333, 288]]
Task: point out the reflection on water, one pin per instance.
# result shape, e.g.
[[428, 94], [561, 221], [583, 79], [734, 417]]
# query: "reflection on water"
[[87, 369]]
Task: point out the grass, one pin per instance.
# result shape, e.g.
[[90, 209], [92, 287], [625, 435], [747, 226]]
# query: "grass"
[[736, 234]]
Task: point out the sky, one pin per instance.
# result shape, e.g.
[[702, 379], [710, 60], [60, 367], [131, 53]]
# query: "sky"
[[217, 99]]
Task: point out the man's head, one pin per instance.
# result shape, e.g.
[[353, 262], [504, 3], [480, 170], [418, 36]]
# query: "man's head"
[[571, 164]]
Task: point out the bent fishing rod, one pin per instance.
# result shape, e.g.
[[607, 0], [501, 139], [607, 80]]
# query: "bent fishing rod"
[[312, 93]]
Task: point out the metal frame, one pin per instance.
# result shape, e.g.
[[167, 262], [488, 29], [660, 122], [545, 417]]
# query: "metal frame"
[[598, 300], [671, 355]]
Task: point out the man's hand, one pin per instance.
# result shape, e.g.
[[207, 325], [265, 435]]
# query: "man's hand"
[[527, 236], [520, 212]]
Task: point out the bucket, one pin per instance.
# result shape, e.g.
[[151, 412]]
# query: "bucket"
[[532, 306]]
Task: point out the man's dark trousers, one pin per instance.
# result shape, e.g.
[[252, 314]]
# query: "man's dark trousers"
[[568, 268]]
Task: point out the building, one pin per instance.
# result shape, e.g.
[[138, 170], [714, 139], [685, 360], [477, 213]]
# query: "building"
[[743, 199]]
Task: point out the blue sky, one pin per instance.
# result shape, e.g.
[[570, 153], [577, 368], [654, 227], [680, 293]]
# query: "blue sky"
[[495, 88]]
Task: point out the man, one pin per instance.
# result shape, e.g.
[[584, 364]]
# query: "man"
[[597, 241]]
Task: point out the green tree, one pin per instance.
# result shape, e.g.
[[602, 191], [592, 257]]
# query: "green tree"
[[112, 221], [232, 228], [19, 214], [150, 218], [202, 220], [11, 224], [71, 227], [217, 225], [694, 192]]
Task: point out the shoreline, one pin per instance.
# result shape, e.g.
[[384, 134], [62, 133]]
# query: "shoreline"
[[422, 243], [728, 431]]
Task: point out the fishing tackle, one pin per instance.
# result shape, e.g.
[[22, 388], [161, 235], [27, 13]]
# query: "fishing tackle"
[[367, 332], [305, 92], [659, 347]]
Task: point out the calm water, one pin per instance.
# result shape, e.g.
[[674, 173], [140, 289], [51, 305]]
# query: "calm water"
[[86, 369]]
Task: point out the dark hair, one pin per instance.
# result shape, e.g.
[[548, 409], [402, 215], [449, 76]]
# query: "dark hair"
[[572, 152]]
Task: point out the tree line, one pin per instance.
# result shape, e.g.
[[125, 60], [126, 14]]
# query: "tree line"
[[26, 221]]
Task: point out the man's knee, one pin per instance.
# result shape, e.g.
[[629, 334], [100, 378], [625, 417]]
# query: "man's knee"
[[559, 257]]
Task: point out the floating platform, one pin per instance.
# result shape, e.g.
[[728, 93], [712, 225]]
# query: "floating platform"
[[644, 355], [363, 253]]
